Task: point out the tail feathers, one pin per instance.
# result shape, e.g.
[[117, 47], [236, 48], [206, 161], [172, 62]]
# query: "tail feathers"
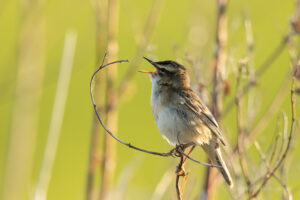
[[224, 170], [216, 158]]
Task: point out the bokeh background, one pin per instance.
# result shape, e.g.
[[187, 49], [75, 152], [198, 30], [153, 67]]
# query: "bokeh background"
[[38, 37]]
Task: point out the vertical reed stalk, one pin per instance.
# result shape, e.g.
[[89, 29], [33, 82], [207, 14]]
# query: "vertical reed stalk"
[[30, 72], [104, 87], [109, 148], [57, 117], [100, 95], [218, 66]]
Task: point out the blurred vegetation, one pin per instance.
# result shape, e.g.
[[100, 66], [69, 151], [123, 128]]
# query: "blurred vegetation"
[[32, 39]]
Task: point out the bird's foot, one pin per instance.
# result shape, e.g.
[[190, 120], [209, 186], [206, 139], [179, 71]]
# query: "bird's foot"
[[175, 153], [180, 171]]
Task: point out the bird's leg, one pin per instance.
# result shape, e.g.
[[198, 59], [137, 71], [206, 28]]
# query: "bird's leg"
[[183, 184], [180, 148], [174, 152], [189, 153], [180, 171]]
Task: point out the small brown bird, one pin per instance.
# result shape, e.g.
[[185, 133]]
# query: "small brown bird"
[[180, 115]]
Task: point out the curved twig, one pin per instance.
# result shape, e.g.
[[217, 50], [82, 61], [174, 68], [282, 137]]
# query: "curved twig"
[[271, 173], [171, 153], [196, 161], [100, 120]]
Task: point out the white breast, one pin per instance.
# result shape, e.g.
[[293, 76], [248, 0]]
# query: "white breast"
[[171, 125]]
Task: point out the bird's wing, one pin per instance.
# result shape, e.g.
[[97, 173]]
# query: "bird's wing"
[[190, 100]]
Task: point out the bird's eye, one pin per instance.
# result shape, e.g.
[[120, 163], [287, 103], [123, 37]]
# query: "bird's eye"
[[162, 70]]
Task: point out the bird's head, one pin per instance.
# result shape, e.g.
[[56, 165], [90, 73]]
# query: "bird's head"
[[169, 73]]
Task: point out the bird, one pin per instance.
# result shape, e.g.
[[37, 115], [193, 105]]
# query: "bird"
[[180, 115]]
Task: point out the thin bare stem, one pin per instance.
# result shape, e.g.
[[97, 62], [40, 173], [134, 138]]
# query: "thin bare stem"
[[263, 121], [250, 67], [95, 153], [196, 161], [218, 66], [28, 84], [108, 160], [274, 149], [277, 178], [179, 170], [218, 63], [240, 138], [270, 173], [284, 135], [261, 70], [57, 116], [274, 106]]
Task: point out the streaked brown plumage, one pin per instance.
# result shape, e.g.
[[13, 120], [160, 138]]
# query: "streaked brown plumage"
[[180, 115]]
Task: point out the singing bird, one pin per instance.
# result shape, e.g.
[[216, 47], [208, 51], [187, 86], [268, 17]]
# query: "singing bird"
[[181, 117]]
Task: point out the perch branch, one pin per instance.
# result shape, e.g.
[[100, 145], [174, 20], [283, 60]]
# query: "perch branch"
[[179, 170]]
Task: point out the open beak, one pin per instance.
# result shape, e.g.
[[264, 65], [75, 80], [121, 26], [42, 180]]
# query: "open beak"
[[149, 72]]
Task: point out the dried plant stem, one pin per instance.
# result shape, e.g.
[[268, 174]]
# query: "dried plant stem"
[[219, 61], [263, 121], [180, 165], [270, 172], [261, 70], [250, 68], [240, 129], [274, 149], [94, 157], [57, 116], [277, 178], [108, 156], [218, 66], [273, 108], [107, 40], [100, 93], [29, 78]]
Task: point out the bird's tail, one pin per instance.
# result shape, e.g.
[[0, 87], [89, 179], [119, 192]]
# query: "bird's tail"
[[215, 155]]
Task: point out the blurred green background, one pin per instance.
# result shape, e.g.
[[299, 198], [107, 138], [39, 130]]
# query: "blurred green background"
[[183, 27]]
